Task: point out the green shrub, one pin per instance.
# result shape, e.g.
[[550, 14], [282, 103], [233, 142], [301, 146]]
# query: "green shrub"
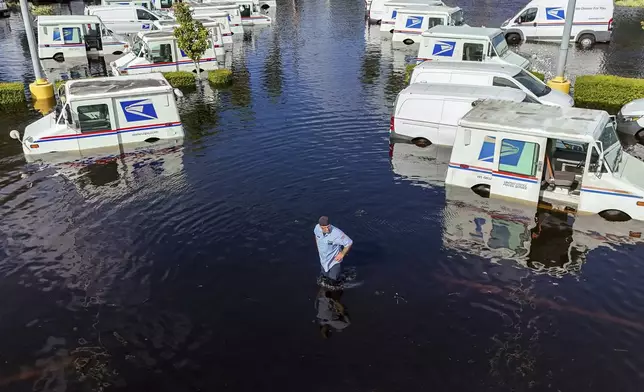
[[13, 6], [41, 9], [630, 3], [605, 92], [539, 75], [409, 68], [12, 93], [180, 79], [220, 77]]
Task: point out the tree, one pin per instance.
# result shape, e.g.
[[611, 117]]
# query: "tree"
[[192, 37]]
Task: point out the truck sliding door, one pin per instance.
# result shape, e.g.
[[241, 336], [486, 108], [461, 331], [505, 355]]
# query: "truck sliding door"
[[518, 167]]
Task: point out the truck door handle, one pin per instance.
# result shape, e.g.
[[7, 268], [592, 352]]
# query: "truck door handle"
[[535, 24]]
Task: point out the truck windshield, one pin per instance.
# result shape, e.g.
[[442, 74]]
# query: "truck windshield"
[[457, 18], [500, 44], [533, 84], [137, 45], [612, 147]]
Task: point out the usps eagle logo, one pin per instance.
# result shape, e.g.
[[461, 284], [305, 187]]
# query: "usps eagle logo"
[[444, 48], [414, 22], [139, 110], [555, 13]]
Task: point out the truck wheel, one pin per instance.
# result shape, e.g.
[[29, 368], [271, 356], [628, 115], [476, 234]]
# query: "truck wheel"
[[408, 41], [639, 136], [513, 38], [482, 190], [587, 41], [421, 142], [615, 216], [59, 57], [117, 53]]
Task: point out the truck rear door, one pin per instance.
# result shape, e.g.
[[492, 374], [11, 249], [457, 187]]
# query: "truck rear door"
[[518, 167]]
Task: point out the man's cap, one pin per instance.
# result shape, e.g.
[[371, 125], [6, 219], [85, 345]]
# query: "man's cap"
[[324, 221]]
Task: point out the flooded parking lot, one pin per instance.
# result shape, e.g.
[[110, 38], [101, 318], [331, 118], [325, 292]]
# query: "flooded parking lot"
[[192, 266]]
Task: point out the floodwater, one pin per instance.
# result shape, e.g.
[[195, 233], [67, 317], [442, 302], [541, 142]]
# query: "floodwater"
[[192, 266]]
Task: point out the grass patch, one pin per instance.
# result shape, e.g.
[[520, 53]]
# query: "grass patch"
[[39, 10], [630, 3], [539, 75], [180, 79], [12, 93], [409, 68], [220, 77], [605, 92]]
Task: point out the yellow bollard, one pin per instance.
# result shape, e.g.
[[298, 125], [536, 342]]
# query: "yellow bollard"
[[560, 83], [41, 89]]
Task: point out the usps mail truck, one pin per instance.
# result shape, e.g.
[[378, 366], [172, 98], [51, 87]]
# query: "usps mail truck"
[[412, 21], [543, 20], [385, 12], [464, 43]]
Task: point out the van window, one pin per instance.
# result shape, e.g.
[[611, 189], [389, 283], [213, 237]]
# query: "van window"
[[434, 22], [144, 15], [166, 3], [93, 118], [519, 157], [160, 53], [533, 84], [527, 16], [595, 163], [56, 34], [503, 82], [472, 52], [245, 10], [71, 35], [457, 18], [500, 45]]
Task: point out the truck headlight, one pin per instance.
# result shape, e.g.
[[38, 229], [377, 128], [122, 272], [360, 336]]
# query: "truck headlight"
[[631, 118]]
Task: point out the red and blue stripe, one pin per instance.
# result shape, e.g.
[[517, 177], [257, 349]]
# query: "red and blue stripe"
[[107, 132]]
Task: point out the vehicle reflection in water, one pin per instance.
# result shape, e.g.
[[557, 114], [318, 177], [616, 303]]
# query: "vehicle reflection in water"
[[543, 240], [115, 172]]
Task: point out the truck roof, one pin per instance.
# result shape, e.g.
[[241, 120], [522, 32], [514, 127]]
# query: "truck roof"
[[462, 31], [437, 3], [422, 9], [470, 66], [58, 19], [464, 91], [218, 4], [116, 86], [163, 34], [532, 119], [114, 7]]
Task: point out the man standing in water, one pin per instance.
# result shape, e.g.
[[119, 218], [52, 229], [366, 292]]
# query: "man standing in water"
[[333, 245]]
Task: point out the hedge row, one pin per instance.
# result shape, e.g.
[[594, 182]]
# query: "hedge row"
[[220, 77], [179, 79], [605, 92], [12, 93], [539, 75]]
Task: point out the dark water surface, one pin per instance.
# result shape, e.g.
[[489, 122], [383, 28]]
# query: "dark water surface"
[[194, 268]]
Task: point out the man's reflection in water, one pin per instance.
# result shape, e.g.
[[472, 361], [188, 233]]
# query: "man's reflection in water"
[[332, 315]]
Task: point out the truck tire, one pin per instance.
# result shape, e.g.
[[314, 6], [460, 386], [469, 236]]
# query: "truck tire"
[[615, 216], [408, 41], [639, 136], [59, 57], [482, 190], [421, 142], [513, 38], [117, 53], [586, 41]]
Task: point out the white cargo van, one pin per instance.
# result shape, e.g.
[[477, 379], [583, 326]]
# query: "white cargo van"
[[202, 10], [427, 113], [489, 74], [158, 52], [412, 21], [70, 36], [385, 12], [149, 4], [214, 30], [464, 43], [543, 20], [103, 112], [511, 150], [126, 19]]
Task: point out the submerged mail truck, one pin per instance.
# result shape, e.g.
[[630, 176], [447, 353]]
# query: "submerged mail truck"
[[412, 21], [509, 150], [70, 36], [389, 10], [464, 43], [543, 20], [103, 112]]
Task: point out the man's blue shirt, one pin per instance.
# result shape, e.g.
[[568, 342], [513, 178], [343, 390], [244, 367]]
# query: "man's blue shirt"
[[329, 245]]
